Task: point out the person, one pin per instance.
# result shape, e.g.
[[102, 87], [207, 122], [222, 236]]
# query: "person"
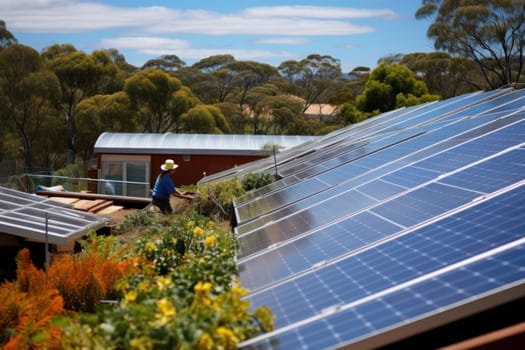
[[164, 187]]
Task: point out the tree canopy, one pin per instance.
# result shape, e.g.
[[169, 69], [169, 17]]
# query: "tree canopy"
[[392, 86], [491, 33]]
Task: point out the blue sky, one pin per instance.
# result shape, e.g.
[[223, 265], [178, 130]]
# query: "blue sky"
[[357, 33]]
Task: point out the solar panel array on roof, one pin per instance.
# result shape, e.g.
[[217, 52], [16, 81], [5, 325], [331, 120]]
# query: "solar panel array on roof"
[[32, 217], [404, 222]]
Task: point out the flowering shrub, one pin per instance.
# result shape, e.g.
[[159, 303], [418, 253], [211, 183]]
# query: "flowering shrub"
[[188, 298], [86, 278], [28, 309]]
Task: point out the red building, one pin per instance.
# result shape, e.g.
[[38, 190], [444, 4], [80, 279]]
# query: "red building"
[[128, 163]]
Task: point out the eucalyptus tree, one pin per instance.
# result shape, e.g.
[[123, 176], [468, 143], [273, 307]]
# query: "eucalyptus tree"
[[285, 111], [235, 117], [392, 86], [205, 119], [81, 76], [102, 113], [120, 61], [166, 63], [312, 78], [182, 100], [6, 37], [259, 116], [214, 81], [248, 75], [30, 92], [157, 99], [443, 74], [489, 32]]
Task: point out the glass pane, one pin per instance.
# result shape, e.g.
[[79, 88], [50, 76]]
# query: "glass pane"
[[136, 180], [112, 171]]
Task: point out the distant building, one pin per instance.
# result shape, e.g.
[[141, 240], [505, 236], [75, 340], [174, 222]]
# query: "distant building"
[[321, 111], [130, 162]]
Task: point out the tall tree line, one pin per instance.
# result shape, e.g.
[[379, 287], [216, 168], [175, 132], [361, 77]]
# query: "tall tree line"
[[54, 104]]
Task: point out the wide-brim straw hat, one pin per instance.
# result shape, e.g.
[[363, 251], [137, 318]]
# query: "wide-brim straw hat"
[[169, 164]]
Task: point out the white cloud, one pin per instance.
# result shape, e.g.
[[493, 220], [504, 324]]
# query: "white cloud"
[[53, 16], [318, 12], [153, 30], [284, 41], [146, 43], [154, 46]]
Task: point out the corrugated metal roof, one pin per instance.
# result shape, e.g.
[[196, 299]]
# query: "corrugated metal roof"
[[24, 215], [224, 144]]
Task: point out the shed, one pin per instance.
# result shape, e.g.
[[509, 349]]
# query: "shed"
[[128, 163]]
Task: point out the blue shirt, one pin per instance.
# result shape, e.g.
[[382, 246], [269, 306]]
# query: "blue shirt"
[[164, 187]]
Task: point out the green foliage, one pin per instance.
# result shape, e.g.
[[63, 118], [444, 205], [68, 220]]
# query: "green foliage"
[[137, 219], [151, 92], [389, 87], [349, 114], [252, 181], [205, 119], [215, 199], [188, 298], [489, 33]]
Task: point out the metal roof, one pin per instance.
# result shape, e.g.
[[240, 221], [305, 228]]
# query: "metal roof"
[[218, 144], [24, 215]]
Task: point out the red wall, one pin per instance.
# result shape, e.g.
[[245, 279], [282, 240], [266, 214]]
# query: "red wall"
[[190, 172]]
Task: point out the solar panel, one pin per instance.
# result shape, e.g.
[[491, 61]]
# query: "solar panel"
[[24, 215], [391, 148], [335, 203], [402, 237], [437, 251], [483, 283]]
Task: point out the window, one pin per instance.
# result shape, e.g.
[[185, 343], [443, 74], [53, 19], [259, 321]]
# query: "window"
[[128, 176]]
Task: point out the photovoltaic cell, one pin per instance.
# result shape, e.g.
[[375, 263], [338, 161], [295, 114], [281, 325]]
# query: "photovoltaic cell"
[[452, 240], [419, 205], [390, 217], [375, 159], [329, 243], [495, 274], [439, 224]]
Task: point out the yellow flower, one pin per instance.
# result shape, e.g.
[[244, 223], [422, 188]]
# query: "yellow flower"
[[206, 302], [166, 308], [190, 224], [130, 297], [143, 286], [198, 231], [239, 291], [150, 247], [205, 342], [164, 282], [210, 241], [202, 288], [229, 337], [142, 343]]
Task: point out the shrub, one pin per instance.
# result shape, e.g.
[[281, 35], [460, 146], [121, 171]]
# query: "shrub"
[[215, 199], [138, 218], [189, 300], [29, 309], [253, 181], [86, 278]]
